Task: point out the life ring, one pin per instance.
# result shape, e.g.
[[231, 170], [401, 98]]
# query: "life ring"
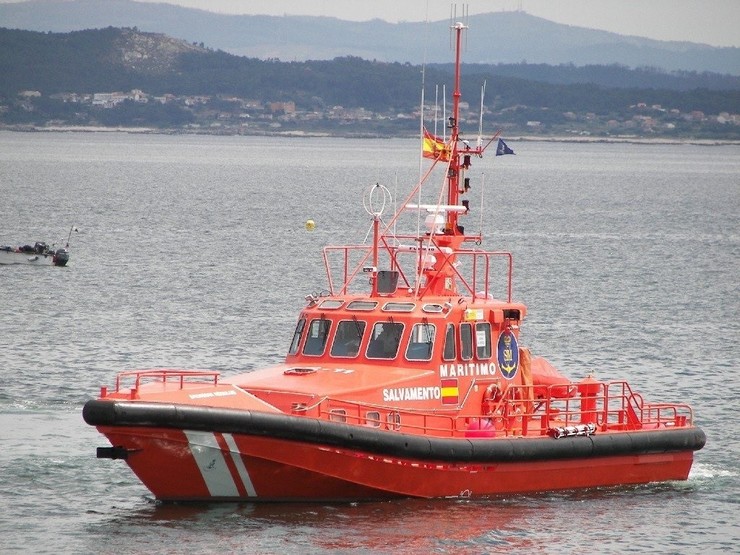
[[491, 397]]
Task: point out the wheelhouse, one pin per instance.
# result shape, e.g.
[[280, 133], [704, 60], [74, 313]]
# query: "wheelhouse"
[[346, 330]]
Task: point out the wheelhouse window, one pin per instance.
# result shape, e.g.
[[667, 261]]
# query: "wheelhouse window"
[[384, 340], [318, 332], [330, 304], [297, 334], [466, 341], [449, 350], [421, 342], [483, 340], [399, 307], [348, 338], [364, 306]]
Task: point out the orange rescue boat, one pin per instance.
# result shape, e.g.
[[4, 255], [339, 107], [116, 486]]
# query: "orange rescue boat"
[[405, 378]]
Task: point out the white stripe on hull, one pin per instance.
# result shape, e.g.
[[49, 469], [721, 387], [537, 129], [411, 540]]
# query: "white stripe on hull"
[[212, 464], [236, 457]]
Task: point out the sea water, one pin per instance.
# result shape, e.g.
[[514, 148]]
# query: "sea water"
[[192, 251]]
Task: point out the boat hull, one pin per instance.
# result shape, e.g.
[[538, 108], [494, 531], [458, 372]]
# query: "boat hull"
[[184, 453], [10, 257]]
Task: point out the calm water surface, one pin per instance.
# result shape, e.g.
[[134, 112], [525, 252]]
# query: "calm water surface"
[[192, 252]]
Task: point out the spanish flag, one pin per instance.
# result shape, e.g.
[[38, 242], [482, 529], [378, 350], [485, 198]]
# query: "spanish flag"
[[435, 148], [450, 392]]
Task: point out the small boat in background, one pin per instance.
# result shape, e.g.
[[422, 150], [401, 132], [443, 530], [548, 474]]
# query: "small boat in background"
[[38, 254]]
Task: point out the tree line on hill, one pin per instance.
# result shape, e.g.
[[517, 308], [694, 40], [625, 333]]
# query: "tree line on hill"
[[113, 59]]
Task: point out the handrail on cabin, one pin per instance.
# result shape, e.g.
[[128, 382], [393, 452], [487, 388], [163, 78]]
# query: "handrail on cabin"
[[479, 280], [166, 375]]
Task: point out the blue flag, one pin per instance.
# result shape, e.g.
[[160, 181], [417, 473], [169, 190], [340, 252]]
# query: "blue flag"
[[502, 148]]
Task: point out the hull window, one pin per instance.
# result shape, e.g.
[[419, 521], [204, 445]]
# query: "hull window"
[[372, 419], [393, 421]]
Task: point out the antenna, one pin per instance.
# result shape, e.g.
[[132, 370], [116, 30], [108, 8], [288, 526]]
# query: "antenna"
[[421, 112], [71, 229], [464, 17], [453, 16], [436, 107], [421, 134], [444, 112], [480, 122]]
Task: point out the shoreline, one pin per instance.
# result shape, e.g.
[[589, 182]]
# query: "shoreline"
[[625, 139]]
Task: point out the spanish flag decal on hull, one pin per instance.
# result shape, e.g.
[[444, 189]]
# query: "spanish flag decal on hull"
[[450, 392]]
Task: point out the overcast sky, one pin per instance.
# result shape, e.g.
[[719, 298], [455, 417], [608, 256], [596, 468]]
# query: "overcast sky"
[[715, 22]]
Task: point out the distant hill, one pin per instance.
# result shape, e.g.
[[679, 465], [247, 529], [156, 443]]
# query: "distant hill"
[[504, 37], [612, 76], [87, 61], [124, 77], [113, 59]]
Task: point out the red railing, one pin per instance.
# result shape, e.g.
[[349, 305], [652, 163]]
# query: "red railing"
[[521, 411], [161, 375], [355, 258]]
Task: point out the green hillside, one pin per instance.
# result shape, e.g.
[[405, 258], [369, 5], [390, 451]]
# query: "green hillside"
[[55, 76]]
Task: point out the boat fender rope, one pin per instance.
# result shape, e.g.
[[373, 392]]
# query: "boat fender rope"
[[571, 431]]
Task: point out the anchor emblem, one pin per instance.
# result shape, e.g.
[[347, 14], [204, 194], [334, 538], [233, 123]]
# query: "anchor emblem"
[[508, 355]]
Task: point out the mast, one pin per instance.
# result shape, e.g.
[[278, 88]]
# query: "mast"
[[438, 248], [453, 174], [447, 241], [460, 155]]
